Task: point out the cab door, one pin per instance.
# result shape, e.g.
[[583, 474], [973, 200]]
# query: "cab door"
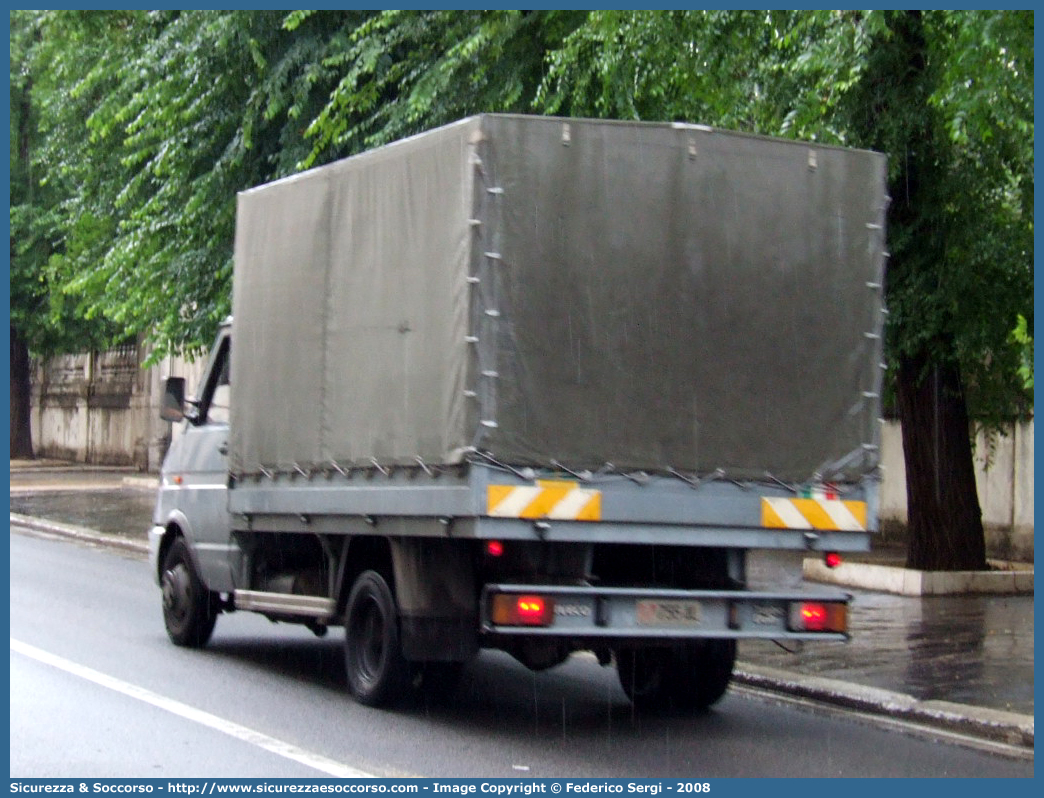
[[200, 478]]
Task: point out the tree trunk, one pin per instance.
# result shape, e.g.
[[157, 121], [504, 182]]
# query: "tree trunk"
[[21, 391], [944, 518]]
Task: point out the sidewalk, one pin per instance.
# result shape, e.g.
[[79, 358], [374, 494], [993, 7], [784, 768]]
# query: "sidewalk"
[[963, 662]]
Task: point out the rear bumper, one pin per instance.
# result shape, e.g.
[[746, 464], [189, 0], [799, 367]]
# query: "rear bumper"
[[618, 614]]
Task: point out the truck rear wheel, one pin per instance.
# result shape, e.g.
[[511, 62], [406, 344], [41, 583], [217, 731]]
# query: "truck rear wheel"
[[689, 677], [189, 609], [378, 674]]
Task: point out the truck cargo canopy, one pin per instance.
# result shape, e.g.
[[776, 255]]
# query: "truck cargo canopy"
[[562, 291]]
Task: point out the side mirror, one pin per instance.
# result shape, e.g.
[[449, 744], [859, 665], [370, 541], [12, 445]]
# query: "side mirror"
[[172, 407]]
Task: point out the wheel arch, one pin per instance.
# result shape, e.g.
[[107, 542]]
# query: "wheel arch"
[[177, 526], [433, 584], [364, 553]]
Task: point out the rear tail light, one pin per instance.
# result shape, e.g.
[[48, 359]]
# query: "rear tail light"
[[832, 559], [495, 548], [510, 609], [818, 616]]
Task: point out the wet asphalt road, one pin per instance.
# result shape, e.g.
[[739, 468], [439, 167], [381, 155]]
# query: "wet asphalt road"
[[96, 608], [115, 509], [967, 649]]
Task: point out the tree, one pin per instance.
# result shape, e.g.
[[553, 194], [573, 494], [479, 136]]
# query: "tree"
[[45, 318], [961, 235], [150, 123], [131, 134], [165, 108], [21, 120]]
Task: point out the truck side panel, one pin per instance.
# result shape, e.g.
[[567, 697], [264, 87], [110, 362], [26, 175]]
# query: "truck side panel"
[[350, 299]]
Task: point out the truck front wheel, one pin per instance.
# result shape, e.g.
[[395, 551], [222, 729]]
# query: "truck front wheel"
[[189, 609], [688, 677], [378, 674]]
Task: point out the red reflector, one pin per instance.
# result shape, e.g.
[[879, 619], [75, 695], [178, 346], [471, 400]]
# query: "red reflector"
[[832, 559], [494, 548]]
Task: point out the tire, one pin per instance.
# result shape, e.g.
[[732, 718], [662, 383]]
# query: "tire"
[[644, 675], [703, 673], [691, 677], [189, 609], [378, 674]]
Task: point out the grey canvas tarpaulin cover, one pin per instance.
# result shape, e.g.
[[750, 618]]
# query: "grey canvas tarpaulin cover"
[[578, 292]]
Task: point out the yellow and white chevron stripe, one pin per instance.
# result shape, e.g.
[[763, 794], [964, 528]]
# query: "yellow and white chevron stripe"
[[560, 501], [826, 514]]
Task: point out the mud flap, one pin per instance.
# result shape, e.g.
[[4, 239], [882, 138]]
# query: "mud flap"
[[435, 590]]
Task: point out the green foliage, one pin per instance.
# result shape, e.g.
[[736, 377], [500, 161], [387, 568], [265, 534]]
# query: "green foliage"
[[163, 111], [962, 262], [407, 71], [149, 124], [48, 316], [1021, 337]]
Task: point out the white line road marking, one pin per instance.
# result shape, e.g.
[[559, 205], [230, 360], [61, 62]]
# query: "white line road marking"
[[261, 740]]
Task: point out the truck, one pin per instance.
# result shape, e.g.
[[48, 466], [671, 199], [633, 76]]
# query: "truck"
[[541, 385]]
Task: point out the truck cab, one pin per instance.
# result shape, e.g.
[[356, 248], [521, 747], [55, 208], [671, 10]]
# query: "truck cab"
[[192, 501]]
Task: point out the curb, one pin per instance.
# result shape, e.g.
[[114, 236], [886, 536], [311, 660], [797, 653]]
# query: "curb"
[[145, 483], [1010, 728], [80, 533], [116, 481], [64, 467], [908, 582]]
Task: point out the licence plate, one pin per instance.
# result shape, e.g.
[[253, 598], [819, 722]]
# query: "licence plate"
[[667, 613]]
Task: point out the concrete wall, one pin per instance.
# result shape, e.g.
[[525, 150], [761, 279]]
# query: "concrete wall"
[[103, 408], [84, 407], [1004, 476]]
